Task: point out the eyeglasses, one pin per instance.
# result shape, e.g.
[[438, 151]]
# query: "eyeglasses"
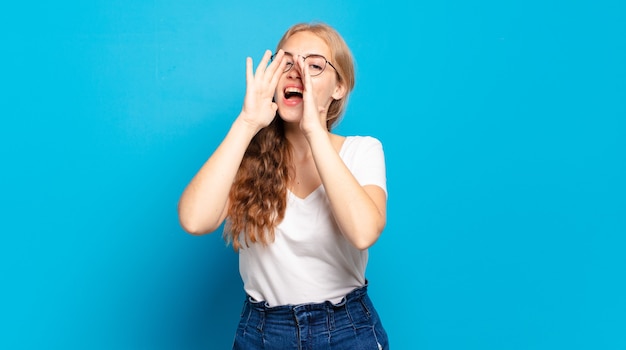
[[317, 63]]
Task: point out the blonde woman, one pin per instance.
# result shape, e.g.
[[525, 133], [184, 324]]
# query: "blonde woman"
[[302, 205]]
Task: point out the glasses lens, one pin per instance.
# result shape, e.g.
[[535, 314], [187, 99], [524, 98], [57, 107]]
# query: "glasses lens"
[[316, 64], [289, 59]]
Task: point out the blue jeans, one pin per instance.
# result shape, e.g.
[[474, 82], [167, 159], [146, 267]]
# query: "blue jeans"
[[352, 324]]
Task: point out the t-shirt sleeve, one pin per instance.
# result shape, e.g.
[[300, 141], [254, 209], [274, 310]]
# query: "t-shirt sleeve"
[[366, 161]]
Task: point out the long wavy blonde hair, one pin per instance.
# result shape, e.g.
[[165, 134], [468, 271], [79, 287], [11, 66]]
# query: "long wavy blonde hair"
[[258, 196]]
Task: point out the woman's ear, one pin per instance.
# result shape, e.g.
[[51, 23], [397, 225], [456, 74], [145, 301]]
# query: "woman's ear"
[[340, 91]]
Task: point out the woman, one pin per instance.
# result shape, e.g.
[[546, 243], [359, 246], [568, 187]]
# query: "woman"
[[301, 204]]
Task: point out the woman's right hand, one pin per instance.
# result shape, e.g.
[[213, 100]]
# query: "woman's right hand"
[[259, 109]]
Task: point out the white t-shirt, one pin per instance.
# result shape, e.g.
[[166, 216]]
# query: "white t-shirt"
[[310, 261]]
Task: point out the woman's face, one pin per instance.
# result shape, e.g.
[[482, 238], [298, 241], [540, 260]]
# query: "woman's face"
[[326, 88]]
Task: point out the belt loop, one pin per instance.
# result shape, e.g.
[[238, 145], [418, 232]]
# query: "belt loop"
[[261, 320], [331, 317]]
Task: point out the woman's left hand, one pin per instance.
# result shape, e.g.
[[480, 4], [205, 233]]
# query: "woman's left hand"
[[312, 112]]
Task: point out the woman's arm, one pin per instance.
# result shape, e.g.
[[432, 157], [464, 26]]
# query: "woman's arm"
[[204, 203], [360, 211]]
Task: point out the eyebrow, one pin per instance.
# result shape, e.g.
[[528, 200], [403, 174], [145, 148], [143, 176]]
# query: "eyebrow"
[[305, 55]]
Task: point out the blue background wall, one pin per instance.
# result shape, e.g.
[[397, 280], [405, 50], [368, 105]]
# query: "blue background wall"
[[505, 134]]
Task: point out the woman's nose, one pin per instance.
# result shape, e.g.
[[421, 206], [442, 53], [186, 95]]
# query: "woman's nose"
[[294, 72], [296, 69]]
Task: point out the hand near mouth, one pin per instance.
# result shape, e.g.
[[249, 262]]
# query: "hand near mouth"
[[258, 107], [311, 117]]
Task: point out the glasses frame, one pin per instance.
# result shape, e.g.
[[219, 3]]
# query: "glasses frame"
[[304, 60]]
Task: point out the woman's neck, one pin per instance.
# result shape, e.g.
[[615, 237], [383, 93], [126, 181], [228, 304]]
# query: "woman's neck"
[[299, 144]]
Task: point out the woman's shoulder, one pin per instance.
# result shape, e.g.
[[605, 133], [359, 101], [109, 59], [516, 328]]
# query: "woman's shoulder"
[[360, 145], [362, 141]]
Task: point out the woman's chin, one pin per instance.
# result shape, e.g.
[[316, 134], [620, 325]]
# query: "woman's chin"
[[290, 115]]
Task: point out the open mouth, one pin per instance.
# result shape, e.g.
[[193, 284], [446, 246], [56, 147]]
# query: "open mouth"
[[293, 92]]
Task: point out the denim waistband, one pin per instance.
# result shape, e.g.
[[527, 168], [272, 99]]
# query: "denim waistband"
[[352, 323], [354, 295]]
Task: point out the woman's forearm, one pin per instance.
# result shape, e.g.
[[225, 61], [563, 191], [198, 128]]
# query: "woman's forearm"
[[360, 211], [203, 205]]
